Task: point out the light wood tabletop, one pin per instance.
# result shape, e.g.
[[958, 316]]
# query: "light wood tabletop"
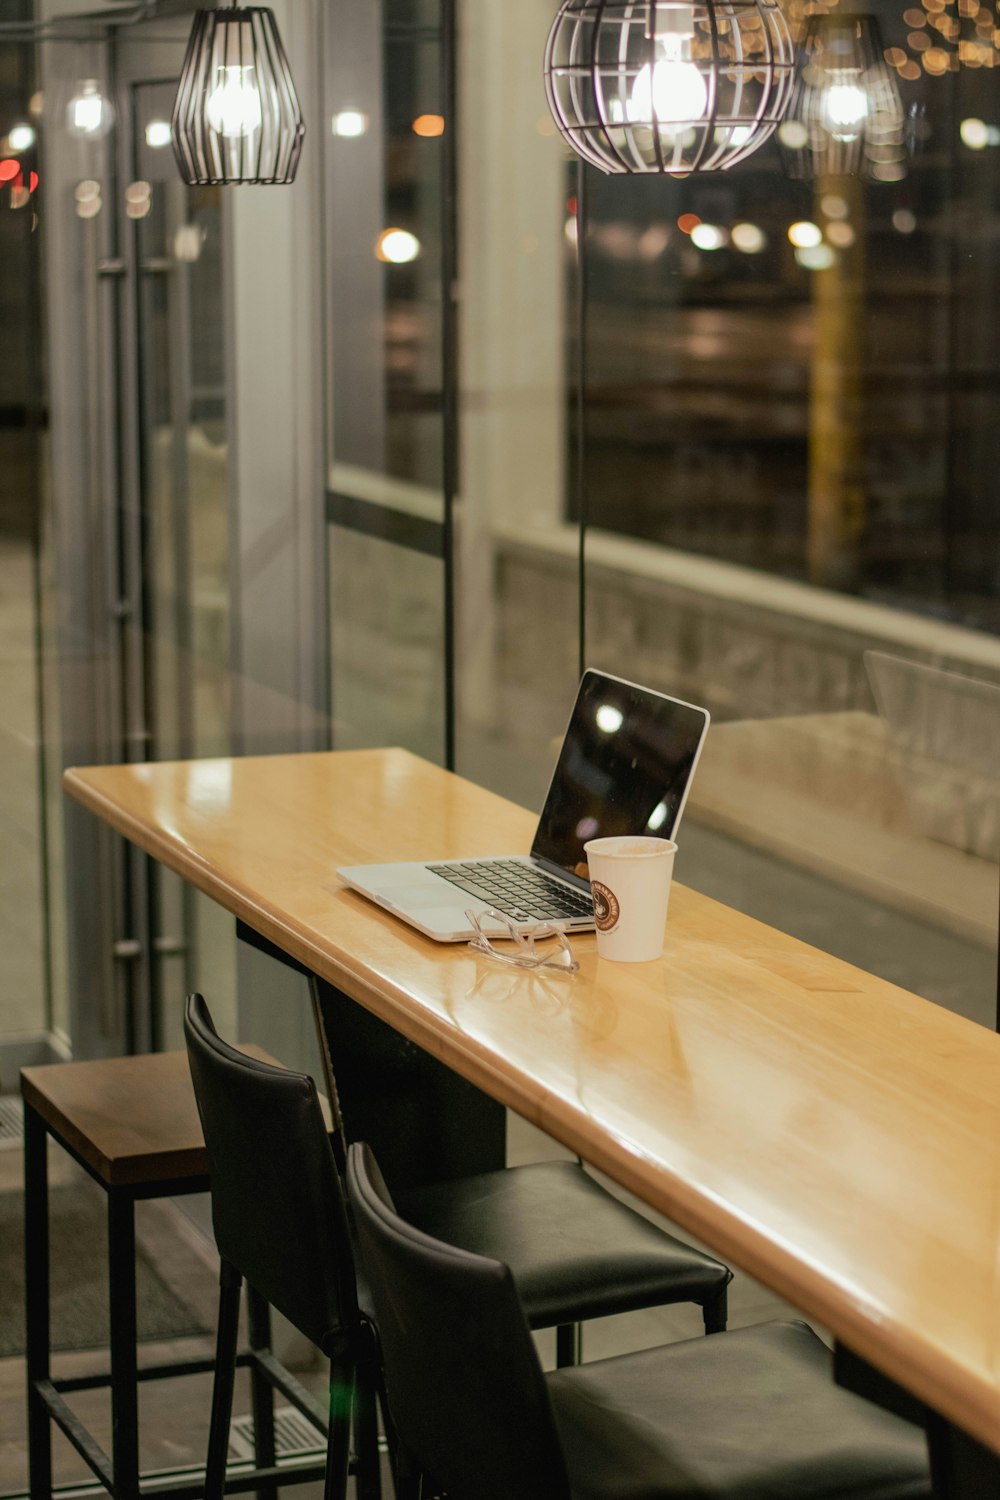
[[829, 1133]]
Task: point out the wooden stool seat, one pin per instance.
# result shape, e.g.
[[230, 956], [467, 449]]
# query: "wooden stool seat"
[[132, 1124], [129, 1119]]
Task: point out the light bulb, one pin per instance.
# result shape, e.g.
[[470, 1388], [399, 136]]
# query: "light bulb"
[[89, 114], [844, 107], [670, 90], [233, 106]]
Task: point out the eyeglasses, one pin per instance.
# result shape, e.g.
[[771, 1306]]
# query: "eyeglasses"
[[525, 955]]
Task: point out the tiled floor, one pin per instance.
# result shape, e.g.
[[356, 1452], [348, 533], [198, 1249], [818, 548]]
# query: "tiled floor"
[[174, 1414]]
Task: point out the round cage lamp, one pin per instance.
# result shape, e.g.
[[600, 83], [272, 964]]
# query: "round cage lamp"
[[668, 86], [846, 117], [236, 117]]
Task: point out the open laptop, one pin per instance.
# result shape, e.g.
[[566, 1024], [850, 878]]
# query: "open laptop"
[[625, 766]]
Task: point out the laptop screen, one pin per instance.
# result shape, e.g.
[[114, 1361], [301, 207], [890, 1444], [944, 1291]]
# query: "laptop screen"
[[624, 767]]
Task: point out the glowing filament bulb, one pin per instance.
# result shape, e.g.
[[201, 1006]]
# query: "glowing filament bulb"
[[671, 90], [844, 107], [233, 107]]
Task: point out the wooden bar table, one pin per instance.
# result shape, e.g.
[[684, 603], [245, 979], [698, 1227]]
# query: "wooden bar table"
[[825, 1131]]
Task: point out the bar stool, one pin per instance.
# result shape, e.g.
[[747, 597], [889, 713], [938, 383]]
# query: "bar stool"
[[132, 1124]]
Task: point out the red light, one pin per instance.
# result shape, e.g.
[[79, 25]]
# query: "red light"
[[687, 222], [9, 169], [32, 182], [571, 206]]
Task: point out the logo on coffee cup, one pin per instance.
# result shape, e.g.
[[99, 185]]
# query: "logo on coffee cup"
[[606, 908]]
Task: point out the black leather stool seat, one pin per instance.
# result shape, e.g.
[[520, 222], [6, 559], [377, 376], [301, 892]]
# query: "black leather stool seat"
[[753, 1414], [575, 1251]]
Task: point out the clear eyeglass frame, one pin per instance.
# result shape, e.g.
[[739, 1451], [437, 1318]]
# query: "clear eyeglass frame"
[[524, 954]]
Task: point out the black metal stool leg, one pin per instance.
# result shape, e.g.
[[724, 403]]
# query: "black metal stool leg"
[[569, 1344], [226, 1336], [409, 1481], [338, 1444], [36, 1285], [261, 1390], [367, 1480], [124, 1382]]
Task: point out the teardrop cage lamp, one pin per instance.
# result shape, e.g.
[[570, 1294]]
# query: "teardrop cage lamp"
[[236, 117], [668, 86], [846, 117]]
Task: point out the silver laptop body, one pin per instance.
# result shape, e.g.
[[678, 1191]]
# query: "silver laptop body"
[[625, 766]]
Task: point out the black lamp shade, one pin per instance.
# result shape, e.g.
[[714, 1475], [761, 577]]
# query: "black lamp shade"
[[236, 116], [668, 86], [846, 117]]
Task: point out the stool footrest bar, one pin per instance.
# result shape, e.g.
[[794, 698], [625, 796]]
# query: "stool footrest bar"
[[150, 1372], [74, 1430], [284, 1381]]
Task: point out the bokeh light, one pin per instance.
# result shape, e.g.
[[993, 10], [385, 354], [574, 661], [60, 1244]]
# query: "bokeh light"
[[804, 235], [397, 246]]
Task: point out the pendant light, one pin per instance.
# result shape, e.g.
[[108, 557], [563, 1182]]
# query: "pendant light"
[[846, 117], [668, 86], [236, 116]]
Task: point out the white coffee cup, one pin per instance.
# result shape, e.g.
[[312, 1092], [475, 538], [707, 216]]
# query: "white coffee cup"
[[630, 878]]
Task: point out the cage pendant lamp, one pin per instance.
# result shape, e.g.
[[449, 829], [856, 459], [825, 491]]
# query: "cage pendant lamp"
[[668, 86], [846, 116], [236, 115]]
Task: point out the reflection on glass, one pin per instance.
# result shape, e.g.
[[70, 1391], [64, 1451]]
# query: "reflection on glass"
[[349, 123], [398, 246], [782, 449], [158, 134], [428, 126], [657, 817], [804, 234], [608, 718], [89, 114]]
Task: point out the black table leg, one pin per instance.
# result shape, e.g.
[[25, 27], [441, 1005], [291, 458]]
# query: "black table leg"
[[961, 1468], [424, 1122]]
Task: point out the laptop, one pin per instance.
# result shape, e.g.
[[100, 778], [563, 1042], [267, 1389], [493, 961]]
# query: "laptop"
[[625, 766]]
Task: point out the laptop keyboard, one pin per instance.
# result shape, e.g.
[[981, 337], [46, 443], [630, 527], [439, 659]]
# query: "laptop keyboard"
[[520, 891]]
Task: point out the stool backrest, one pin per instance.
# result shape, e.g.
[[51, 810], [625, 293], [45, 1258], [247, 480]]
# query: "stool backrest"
[[278, 1207], [465, 1389]]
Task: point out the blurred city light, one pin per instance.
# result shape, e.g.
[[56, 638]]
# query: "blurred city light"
[[804, 234], [397, 246]]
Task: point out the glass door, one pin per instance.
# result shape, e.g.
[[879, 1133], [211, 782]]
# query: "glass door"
[[184, 540], [143, 578]]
